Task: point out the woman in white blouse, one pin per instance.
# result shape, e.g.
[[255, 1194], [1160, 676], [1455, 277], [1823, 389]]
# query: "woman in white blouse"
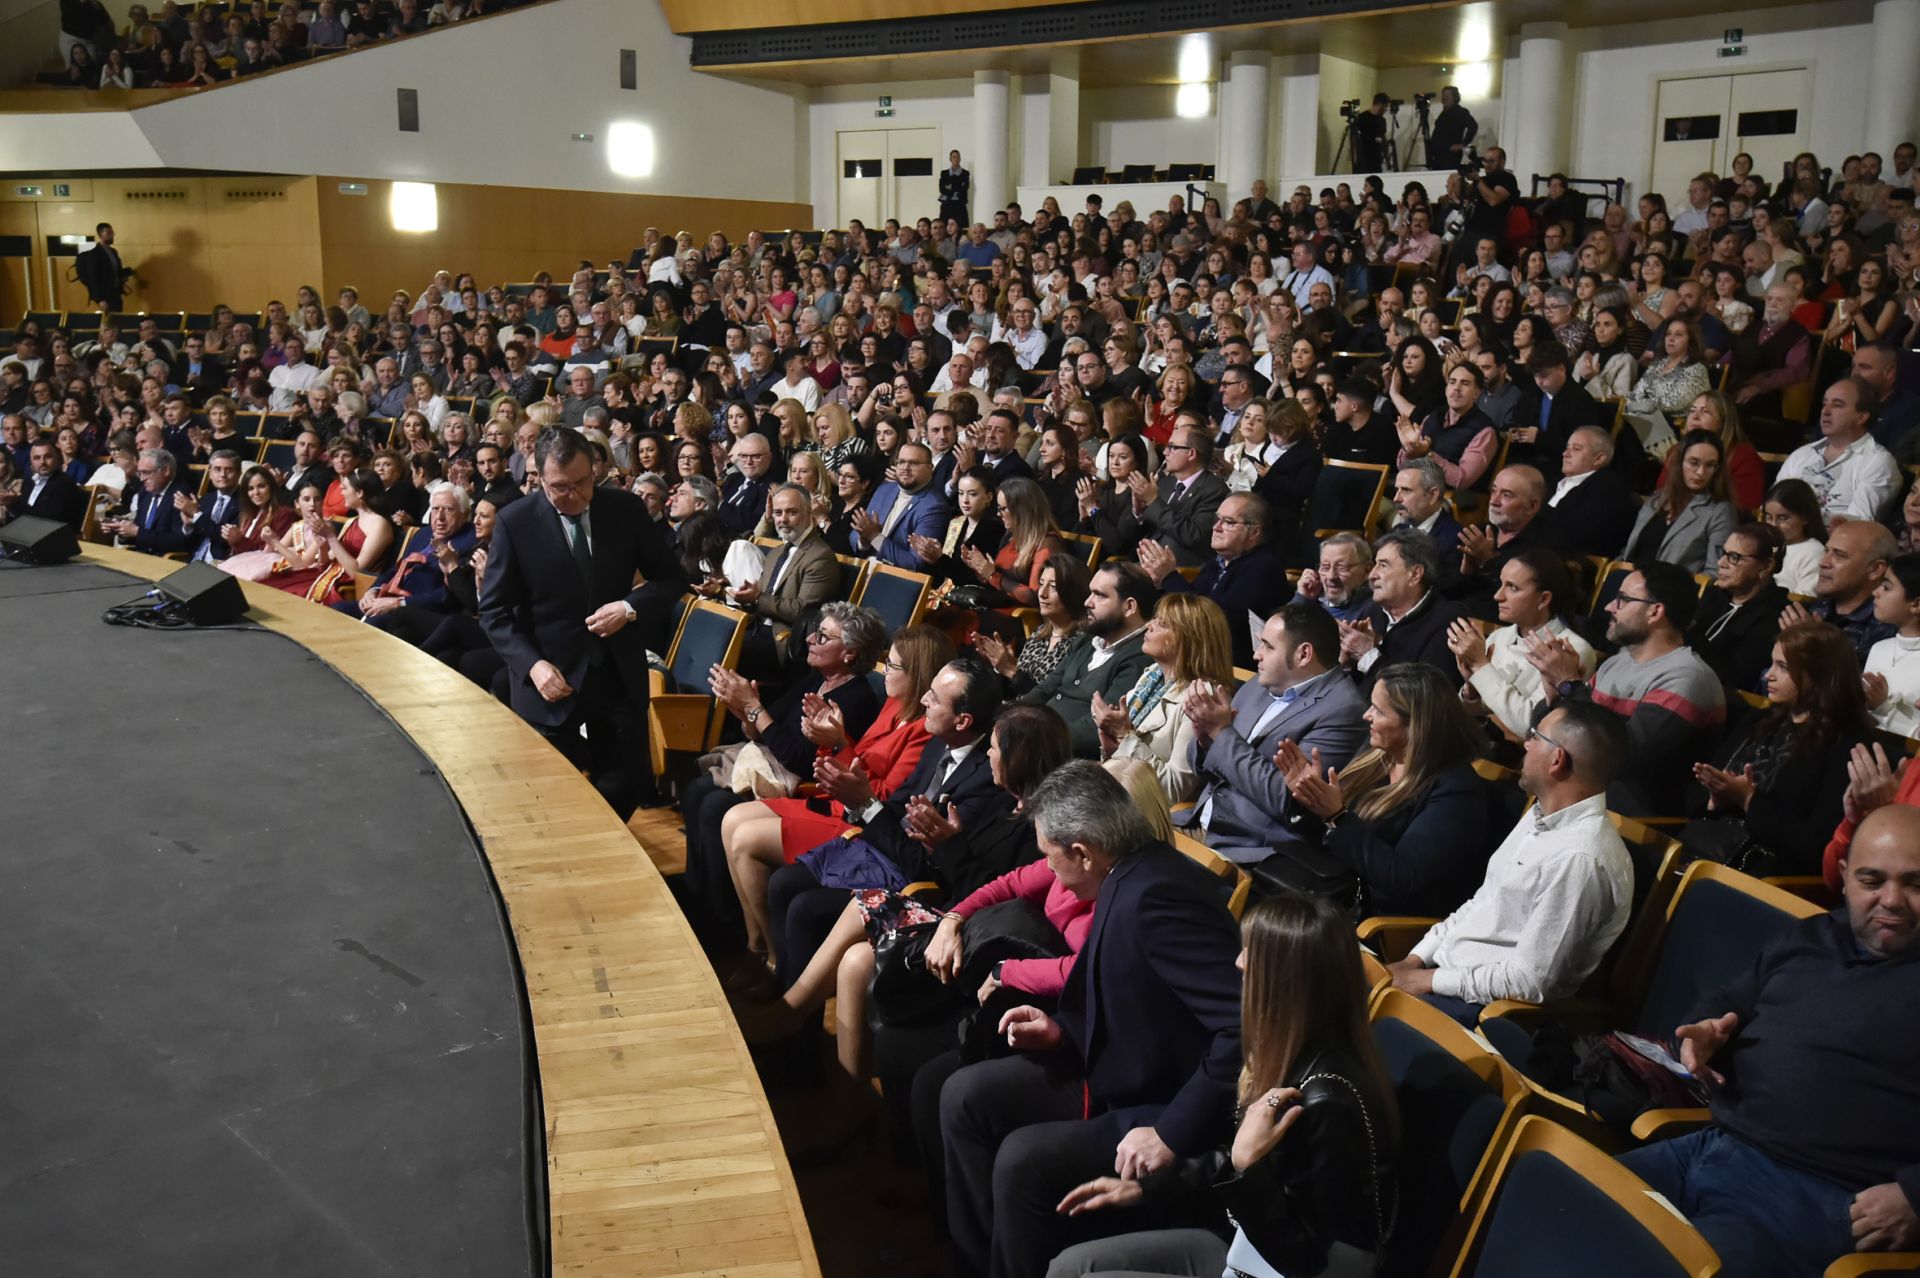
[[1608, 370], [1892, 676], [1253, 450], [1536, 595], [1190, 646], [1795, 511]]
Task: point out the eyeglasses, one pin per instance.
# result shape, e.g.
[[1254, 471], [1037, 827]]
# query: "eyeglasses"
[[822, 636], [1735, 557], [894, 667], [1179, 448], [1229, 522], [1535, 732], [1633, 599]]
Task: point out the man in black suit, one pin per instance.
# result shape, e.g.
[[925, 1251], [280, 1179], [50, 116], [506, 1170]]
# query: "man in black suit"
[[1556, 407], [49, 492], [310, 464], [153, 525], [997, 452], [1180, 514], [1739, 615], [743, 496], [1409, 618], [1420, 501], [492, 481], [1516, 523], [209, 515], [101, 272], [1593, 506], [557, 602], [1136, 1069], [197, 373], [1244, 576]]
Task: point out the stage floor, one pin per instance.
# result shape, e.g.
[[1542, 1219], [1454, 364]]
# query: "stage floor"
[[261, 1012]]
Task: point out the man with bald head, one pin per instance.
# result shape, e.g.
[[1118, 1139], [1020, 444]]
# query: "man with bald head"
[[1778, 1185], [1516, 522], [1852, 567]]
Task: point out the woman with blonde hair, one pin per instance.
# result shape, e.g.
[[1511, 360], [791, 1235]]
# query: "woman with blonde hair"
[[1715, 411], [693, 423], [796, 428], [1190, 646], [837, 439]]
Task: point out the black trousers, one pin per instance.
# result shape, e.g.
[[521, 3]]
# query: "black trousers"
[[461, 643], [614, 750], [706, 889], [1014, 1145], [802, 913]]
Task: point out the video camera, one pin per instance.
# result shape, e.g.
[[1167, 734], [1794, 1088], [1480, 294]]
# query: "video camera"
[[1349, 108], [1470, 162]]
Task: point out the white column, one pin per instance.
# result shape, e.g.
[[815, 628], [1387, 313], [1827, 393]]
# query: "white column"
[[1299, 123], [1243, 121], [1063, 116], [991, 162], [1541, 144], [1893, 92]]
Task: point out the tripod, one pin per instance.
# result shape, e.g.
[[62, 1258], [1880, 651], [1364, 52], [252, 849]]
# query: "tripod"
[[1421, 138], [1391, 152], [1346, 136]]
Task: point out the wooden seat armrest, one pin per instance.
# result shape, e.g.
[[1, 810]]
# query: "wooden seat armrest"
[[923, 887], [1393, 936], [1875, 1262], [1581, 1015], [1664, 1124]]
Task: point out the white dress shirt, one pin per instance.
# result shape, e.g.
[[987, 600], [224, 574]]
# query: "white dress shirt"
[[1857, 484]]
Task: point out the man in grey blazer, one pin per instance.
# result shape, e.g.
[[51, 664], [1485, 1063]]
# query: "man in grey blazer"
[[1302, 694], [801, 575], [1180, 516]]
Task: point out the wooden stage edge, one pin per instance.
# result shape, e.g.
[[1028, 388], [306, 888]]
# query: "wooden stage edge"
[[662, 1154]]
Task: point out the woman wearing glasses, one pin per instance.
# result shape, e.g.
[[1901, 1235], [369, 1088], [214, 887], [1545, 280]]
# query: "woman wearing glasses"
[[1686, 522], [1189, 645]]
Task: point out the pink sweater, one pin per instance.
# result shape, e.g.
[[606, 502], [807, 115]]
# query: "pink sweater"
[[1067, 912]]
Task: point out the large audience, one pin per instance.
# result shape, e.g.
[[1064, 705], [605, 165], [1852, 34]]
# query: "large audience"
[[1383, 546]]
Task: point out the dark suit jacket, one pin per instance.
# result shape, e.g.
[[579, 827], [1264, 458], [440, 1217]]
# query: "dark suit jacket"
[[743, 502], [1742, 649], [167, 534], [419, 575], [1421, 635], [1595, 518], [1185, 525], [534, 605], [1287, 487], [1070, 687], [1153, 1003], [1474, 593], [102, 273], [1255, 583], [60, 499], [211, 380], [206, 529], [1572, 408], [1011, 466], [970, 790]]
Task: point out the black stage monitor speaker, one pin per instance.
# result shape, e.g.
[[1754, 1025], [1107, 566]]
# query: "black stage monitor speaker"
[[210, 597], [38, 541]]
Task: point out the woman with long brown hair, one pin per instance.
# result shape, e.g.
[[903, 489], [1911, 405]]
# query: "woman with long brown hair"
[[1687, 521], [1308, 1179], [1773, 793]]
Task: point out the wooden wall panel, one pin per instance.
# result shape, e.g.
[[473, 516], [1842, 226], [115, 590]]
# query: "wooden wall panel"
[[196, 241]]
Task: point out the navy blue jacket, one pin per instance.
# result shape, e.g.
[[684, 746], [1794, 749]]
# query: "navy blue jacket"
[[1255, 583], [419, 574], [1153, 1003]]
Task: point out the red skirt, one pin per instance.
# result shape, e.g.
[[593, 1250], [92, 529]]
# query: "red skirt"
[[801, 828]]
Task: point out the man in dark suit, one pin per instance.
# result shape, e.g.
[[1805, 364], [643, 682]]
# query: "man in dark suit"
[[1244, 576], [1420, 500], [1106, 657], [153, 525], [310, 464], [1409, 618], [997, 452], [1516, 523], [1299, 694], [49, 492], [101, 272], [743, 497], [1739, 614], [197, 373], [797, 578], [1593, 506], [902, 510], [492, 481], [410, 599], [955, 186], [1180, 514], [210, 514], [557, 603], [1135, 1070], [1551, 411]]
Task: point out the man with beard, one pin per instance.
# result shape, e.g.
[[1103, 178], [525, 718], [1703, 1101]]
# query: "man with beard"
[[1107, 656]]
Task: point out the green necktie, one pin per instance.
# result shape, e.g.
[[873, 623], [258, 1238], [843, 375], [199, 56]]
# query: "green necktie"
[[582, 557]]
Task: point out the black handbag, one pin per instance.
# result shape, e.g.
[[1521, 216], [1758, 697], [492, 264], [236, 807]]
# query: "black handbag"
[[1306, 870], [903, 993]]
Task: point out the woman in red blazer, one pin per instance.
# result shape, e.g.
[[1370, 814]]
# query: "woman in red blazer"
[[762, 836]]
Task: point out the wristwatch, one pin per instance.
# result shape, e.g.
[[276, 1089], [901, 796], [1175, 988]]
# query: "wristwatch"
[[997, 978], [753, 714]]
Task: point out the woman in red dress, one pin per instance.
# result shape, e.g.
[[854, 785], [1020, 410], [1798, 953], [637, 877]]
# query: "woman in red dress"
[[760, 837]]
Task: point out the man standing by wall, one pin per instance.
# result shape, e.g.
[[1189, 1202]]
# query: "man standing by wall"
[[101, 271]]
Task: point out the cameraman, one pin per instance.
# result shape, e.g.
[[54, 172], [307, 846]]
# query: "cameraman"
[[1489, 195], [1370, 136], [1450, 133]]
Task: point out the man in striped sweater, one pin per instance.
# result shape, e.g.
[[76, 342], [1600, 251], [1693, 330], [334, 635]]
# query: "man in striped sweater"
[[1671, 699]]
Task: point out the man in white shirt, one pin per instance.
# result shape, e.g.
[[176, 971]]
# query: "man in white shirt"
[[797, 384], [1305, 274], [1486, 262], [1699, 200], [1557, 892], [1028, 342], [959, 371], [291, 379], [1850, 472]]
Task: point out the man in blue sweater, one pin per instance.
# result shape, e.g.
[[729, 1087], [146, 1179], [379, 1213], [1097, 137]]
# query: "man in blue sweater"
[[1814, 1151]]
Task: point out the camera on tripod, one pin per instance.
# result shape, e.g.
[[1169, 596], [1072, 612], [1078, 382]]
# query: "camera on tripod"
[[1349, 108], [1421, 101], [1394, 105]]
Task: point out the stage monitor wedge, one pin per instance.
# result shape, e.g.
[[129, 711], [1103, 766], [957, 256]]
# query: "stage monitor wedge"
[[209, 596], [37, 540]]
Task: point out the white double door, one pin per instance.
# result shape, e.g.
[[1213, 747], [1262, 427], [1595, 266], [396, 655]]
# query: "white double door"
[[1702, 122], [888, 173]]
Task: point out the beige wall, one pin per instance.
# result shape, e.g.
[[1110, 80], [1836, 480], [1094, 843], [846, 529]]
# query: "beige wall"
[[198, 241]]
